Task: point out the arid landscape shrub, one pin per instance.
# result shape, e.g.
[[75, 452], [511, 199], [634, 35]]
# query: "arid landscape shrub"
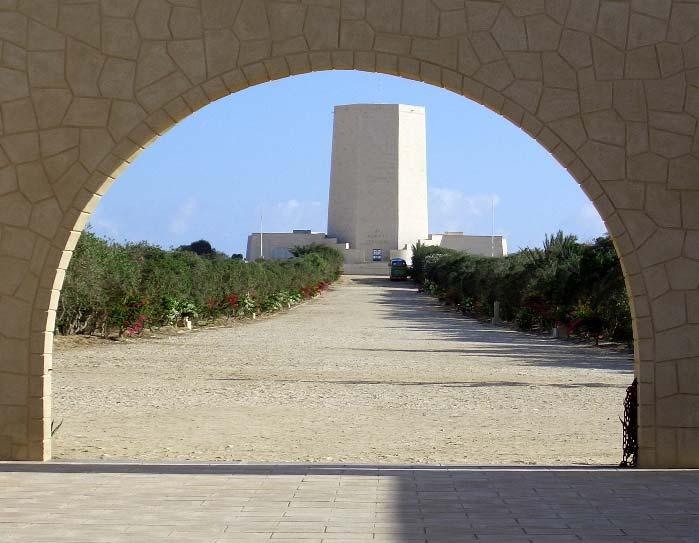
[[579, 285], [117, 288]]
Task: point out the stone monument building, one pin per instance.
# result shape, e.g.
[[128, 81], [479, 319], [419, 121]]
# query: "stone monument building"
[[378, 193]]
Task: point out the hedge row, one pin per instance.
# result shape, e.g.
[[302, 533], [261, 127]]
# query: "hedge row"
[[114, 288], [579, 285]]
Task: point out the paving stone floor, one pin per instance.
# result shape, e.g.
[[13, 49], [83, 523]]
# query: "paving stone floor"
[[158, 503]]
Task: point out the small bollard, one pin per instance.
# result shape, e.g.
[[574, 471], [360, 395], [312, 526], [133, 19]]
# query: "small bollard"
[[496, 313]]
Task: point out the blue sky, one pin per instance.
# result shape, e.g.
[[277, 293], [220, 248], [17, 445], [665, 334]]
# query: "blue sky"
[[267, 150]]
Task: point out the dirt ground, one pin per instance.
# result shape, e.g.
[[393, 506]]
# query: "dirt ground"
[[370, 372]]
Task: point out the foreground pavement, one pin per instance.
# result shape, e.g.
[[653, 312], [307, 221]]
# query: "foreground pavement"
[[158, 503]]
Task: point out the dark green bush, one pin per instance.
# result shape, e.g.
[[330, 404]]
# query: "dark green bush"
[[113, 287], [566, 282]]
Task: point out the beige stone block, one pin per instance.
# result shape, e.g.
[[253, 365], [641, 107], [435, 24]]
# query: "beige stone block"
[[684, 21], [13, 28], [195, 98], [638, 225], [13, 271], [420, 18], [190, 57], [357, 35], [525, 65], [354, 9], [481, 15], [322, 27], [607, 162], [612, 22], [42, 38], [557, 73], [154, 63], [509, 31], [493, 100], [640, 306], [185, 23], [16, 242], [33, 182], [514, 113], [666, 94], [21, 147], [630, 100], [647, 167], [221, 51], [683, 274], [18, 116], [669, 311], [642, 63], [234, 81], [468, 60], [13, 84], [645, 30], [485, 47], [522, 8], [582, 15], [678, 411], [286, 20], [120, 38], [384, 15], [452, 23], [254, 51], [606, 126], [571, 130], [292, 45], [666, 448], [161, 92], [663, 246], [496, 75], [473, 90], [543, 33], [688, 447], [576, 49], [123, 117], [663, 206], [693, 307], [152, 18], [218, 14], [276, 68], [160, 122], [14, 322], [46, 69], [83, 67], [215, 88], [57, 165], [626, 194], [608, 61], [46, 216], [13, 387], [81, 21], [50, 106], [119, 8], [117, 78], [14, 57], [95, 143], [409, 68], [690, 209], [669, 144], [666, 379], [366, 61], [684, 173], [655, 8], [670, 59], [558, 103], [88, 112], [594, 95], [341, 60]]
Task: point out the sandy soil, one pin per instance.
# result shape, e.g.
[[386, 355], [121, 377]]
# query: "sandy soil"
[[370, 372]]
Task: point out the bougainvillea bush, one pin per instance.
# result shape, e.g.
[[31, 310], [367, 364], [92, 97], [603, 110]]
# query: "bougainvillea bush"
[[578, 285], [124, 288]]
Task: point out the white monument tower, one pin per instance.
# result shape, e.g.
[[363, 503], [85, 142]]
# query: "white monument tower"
[[378, 181]]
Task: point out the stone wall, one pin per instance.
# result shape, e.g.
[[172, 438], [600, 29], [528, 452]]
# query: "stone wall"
[[610, 88]]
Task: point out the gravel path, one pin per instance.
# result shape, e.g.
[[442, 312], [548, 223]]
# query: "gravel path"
[[370, 372]]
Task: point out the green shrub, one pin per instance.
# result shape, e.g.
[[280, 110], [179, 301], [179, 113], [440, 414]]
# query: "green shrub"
[[116, 288], [540, 287]]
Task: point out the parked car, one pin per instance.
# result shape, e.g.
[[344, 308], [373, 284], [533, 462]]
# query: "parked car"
[[398, 270]]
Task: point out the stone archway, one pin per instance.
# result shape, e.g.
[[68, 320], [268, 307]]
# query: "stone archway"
[[610, 88]]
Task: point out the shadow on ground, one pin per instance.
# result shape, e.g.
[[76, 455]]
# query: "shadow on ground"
[[402, 302], [317, 503]]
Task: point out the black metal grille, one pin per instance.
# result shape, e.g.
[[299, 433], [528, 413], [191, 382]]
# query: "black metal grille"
[[630, 426]]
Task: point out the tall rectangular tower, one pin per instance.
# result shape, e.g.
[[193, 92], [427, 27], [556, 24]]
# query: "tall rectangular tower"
[[378, 181]]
